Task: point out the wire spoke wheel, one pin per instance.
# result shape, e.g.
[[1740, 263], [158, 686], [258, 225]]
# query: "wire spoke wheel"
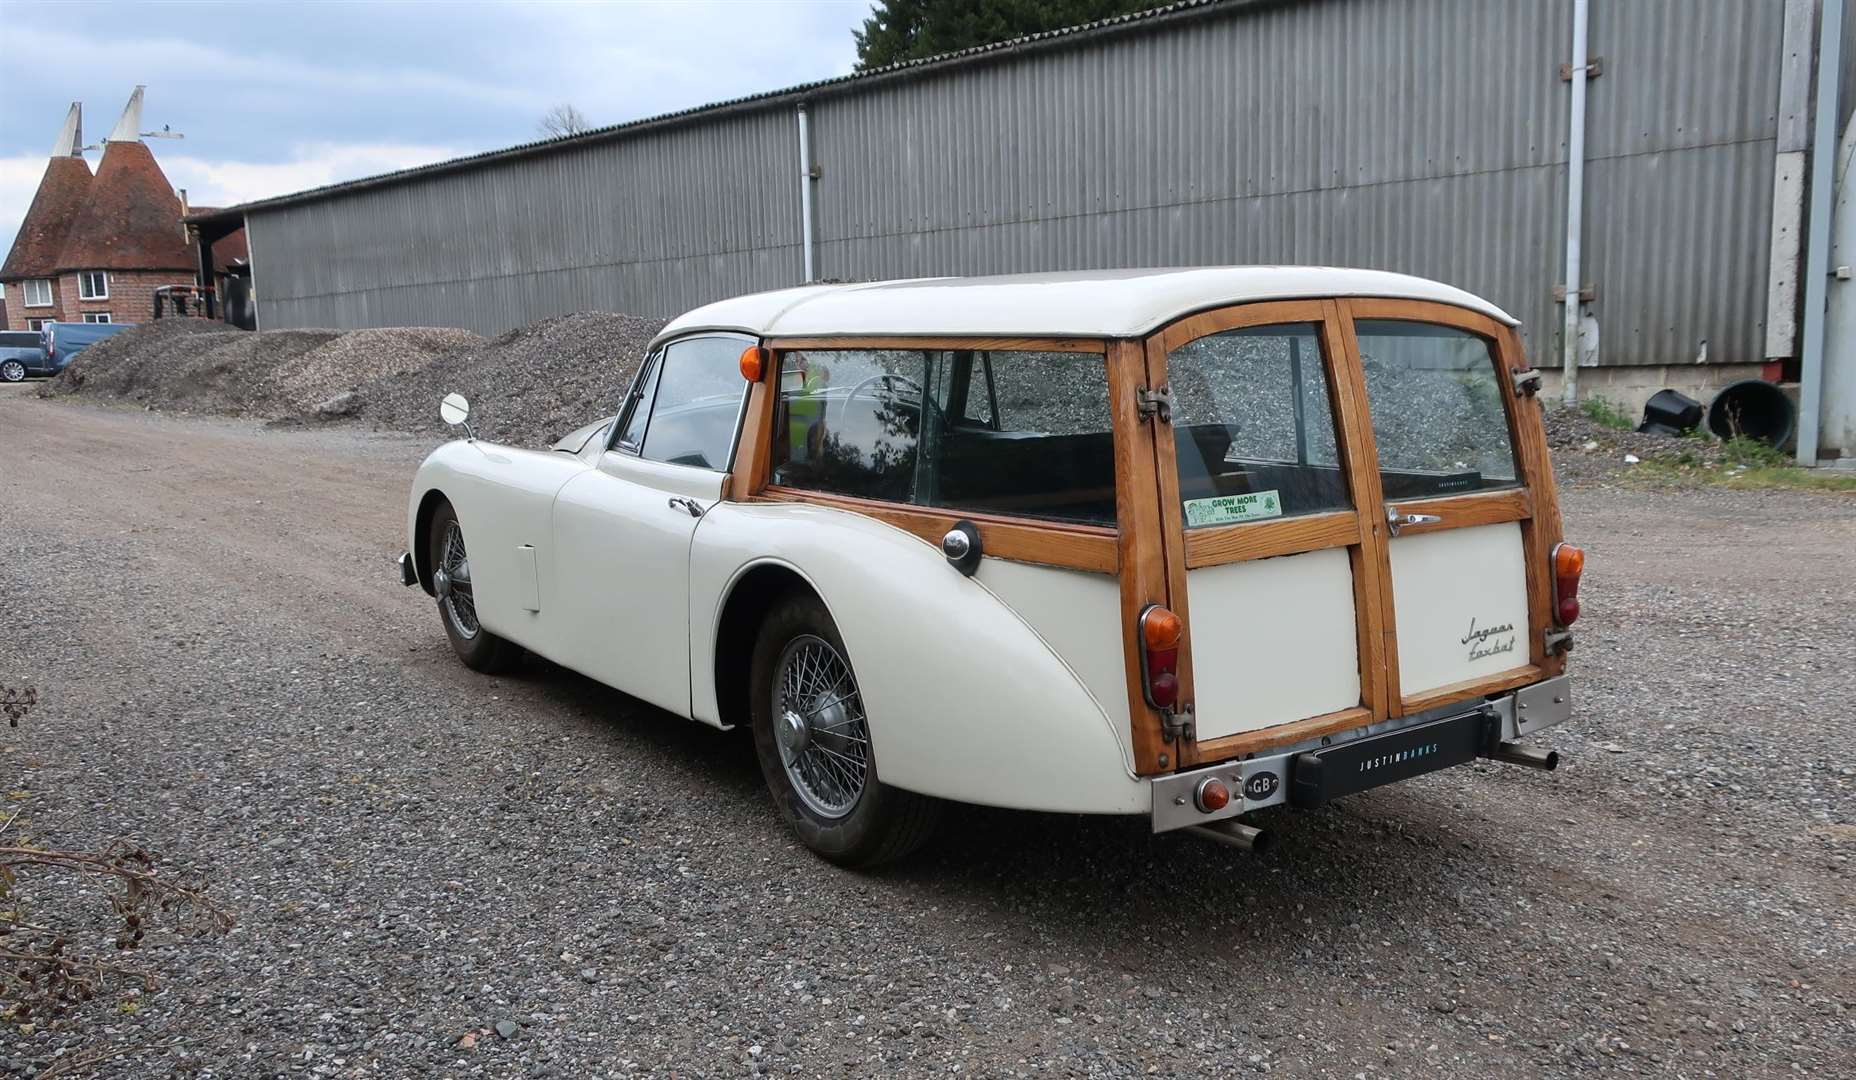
[[454, 584], [819, 726]]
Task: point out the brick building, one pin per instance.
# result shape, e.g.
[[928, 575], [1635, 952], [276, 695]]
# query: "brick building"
[[95, 248]]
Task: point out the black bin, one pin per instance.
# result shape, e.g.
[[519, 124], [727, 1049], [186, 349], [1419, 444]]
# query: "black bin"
[[1670, 412], [1753, 409]]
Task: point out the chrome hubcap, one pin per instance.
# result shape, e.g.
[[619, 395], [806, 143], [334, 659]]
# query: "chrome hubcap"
[[12, 371], [823, 738], [451, 581], [795, 733]]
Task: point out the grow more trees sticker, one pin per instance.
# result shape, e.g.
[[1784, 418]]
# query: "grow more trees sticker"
[[1230, 509]]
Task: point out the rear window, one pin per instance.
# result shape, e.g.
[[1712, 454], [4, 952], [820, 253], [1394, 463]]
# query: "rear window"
[[1253, 426], [1438, 414], [1003, 432], [19, 339]]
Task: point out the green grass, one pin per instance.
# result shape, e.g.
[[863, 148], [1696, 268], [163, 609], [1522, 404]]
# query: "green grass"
[[1686, 470], [1606, 413]]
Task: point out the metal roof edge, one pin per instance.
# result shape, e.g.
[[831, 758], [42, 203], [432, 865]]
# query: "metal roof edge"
[[1049, 40]]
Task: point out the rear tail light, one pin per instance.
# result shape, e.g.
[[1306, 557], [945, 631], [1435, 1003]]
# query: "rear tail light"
[[1211, 795], [1568, 564], [1160, 634]]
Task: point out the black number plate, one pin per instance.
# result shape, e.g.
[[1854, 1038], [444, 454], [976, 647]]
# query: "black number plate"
[[1386, 759]]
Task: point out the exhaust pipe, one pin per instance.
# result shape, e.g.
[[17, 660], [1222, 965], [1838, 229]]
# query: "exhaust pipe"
[[1516, 754], [1235, 833]]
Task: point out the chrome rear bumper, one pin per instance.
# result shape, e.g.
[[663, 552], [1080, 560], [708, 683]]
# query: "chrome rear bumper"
[[1263, 781], [409, 574]]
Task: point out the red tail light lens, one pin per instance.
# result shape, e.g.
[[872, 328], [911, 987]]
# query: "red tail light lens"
[[1160, 634], [1568, 565], [1211, 795]]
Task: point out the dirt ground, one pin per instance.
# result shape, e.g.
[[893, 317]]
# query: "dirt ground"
[[231, 673]]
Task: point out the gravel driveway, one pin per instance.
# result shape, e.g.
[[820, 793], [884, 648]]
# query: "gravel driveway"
[[416, 853]]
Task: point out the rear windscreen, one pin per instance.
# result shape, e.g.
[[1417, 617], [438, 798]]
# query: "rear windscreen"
[[1253, 426], [1013, 432], [1438, 413]]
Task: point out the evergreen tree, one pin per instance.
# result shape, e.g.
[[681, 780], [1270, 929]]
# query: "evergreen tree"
[[900, 30]]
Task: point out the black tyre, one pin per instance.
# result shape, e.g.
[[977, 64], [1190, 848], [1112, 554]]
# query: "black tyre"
[[12, 371], [813, 742], [457, 599]]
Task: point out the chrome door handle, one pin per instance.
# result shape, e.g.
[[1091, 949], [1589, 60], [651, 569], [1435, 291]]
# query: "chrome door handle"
[[688, 506], [1396, 521]]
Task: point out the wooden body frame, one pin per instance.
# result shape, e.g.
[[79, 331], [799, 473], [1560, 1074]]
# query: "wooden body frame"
[[1151, 551]]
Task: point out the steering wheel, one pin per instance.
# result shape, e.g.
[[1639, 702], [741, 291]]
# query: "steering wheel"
[[880, 377]]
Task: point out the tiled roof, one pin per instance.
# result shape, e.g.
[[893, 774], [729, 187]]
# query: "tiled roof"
[[130, 219], [48, 223]]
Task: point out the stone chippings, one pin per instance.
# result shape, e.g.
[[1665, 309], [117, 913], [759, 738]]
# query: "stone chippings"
[[438, 874], [528, 386]]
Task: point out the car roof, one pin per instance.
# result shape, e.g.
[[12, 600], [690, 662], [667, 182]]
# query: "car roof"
[[1080, 303]]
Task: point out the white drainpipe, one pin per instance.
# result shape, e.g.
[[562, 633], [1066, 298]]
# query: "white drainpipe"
[[1575, 208], [1817, 254], [805, 192]]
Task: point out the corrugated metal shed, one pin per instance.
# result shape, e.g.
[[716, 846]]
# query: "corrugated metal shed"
[[1426, 136]]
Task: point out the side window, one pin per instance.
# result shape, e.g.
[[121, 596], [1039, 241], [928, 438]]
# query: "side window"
[[637, 409], [926, 427], [695, 404], [1437, 405], [1253, 426]]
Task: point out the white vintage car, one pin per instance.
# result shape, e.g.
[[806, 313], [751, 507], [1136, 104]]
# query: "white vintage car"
[[1177, 543]]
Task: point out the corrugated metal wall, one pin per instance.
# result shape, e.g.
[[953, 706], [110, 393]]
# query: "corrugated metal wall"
[[655, 223], [1419, 135]]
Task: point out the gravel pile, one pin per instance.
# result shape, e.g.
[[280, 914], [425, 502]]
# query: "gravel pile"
[[528, 387], [315, 379]]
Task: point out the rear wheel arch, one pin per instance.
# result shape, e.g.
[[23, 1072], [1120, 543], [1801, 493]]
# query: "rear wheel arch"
[[422, 536], [751, 597]]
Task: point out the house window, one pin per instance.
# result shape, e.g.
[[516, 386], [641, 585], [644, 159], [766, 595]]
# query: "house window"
[[97, 316], [37, 324], [38, 292], [93, 285]]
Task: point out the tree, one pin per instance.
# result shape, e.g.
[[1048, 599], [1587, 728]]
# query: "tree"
[[899, 30], [562, 120]]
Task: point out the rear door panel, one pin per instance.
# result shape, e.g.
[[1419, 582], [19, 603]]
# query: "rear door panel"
[[1255, 622], [1298, 626], [1459, 600]]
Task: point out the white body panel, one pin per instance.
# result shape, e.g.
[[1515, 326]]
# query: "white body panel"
[[1078, 615], [1080, 303], [1452, 593], [1273, 641], [503, 498], [965, 700], [622, 616]]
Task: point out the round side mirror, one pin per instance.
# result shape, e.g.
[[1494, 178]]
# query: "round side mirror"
[[454, 410]]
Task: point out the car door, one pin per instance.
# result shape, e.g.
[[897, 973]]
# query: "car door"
[[622, 530], [1357, 513], [1467, 505]]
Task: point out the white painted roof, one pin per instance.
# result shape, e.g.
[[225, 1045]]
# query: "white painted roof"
[[1081, 303]]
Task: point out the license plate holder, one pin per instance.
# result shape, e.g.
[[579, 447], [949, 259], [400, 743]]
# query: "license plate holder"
[[1321, 775]]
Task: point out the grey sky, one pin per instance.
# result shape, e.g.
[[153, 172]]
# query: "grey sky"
[[275, 97]]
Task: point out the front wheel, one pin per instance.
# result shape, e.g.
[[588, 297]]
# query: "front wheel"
[[457, 599], [12, 371], [813, 741]]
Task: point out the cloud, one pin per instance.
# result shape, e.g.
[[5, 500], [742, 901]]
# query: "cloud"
[[224, 183], [274, 98]]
